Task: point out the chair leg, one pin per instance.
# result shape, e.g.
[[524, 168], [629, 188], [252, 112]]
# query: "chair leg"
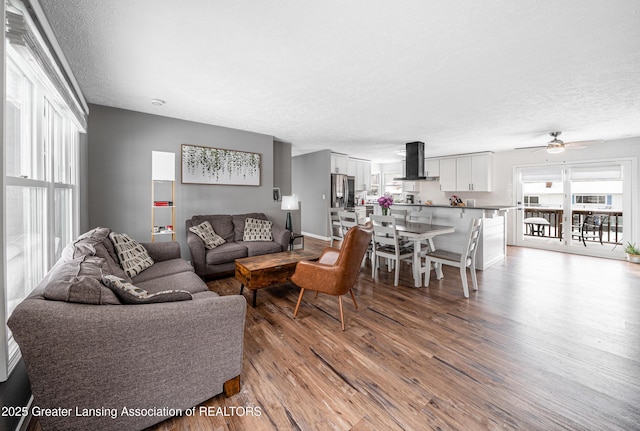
[[463, 276], [354, 298], [439, 273], [374, 265], [397, 277], [341, 312], [474, 277], [295, 313]]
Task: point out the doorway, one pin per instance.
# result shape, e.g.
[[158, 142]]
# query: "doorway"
[[582, 207]]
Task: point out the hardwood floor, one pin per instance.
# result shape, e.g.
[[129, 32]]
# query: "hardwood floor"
[[549, 342]]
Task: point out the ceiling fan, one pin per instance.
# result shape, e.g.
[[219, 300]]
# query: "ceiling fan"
[[556, 146]]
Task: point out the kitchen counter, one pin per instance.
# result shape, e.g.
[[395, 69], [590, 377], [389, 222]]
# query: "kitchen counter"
[[485, 207], [492, 247]]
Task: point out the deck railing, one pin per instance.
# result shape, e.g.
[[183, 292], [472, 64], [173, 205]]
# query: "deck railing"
[[553, 216], [611, 226]]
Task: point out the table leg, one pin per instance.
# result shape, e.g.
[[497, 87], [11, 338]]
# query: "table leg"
[[241, 288]]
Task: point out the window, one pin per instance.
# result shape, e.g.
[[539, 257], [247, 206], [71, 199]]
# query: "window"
[[591, 199], [40, 197], [531, 201]]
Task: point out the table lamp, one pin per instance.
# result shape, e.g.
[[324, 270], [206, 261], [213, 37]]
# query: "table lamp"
[[289, 203]]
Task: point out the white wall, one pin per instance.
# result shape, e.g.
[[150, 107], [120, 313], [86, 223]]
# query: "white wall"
[[503, 170]]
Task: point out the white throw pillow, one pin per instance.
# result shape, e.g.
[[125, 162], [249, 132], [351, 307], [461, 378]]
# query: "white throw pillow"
[[257, 230], [133, 257], [206, 233]]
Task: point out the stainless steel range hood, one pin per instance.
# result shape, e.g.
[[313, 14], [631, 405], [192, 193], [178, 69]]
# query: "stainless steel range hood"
[[414, 165]]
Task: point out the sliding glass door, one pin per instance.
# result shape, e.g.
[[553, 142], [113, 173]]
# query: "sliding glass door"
[[578, 207]]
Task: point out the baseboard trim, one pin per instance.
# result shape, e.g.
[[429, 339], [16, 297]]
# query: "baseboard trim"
[[313, 235]]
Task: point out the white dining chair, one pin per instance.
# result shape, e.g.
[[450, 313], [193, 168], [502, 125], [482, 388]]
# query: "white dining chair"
[[335, 231], [348, 219], [420, 217], [385, 244], [467, 258], [400, 215]]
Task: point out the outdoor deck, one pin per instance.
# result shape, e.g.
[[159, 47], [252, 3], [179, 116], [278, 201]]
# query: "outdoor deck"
[[607, 231]]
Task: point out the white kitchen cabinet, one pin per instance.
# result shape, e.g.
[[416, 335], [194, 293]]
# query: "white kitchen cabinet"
[[339, 163], [410, 186], [448, 181], [352, 168], [463, 174], [431, 167], [363, 175], [470, 173], [361, 171], [473, 173]]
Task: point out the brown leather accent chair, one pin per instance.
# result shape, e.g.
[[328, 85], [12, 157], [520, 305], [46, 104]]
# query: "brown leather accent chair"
[[336, 272]]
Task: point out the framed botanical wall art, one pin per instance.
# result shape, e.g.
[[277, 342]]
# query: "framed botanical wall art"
[[206, 165]]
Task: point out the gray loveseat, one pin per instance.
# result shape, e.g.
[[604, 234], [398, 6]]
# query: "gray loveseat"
[[221, 260], [109, 358]]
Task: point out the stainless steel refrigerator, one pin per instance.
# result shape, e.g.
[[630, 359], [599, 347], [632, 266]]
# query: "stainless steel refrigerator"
[[342, 191]]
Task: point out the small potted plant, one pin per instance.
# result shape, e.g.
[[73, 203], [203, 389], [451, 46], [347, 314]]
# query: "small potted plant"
[[633, 253]]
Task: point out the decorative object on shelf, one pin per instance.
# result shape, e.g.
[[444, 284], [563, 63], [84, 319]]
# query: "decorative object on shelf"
[[206, 165], [163, 170], [289, 203], [276, 194], [633, 253], [385, 202]]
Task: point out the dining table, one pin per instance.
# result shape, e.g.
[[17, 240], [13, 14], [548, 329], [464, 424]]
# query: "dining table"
[[417, 232]]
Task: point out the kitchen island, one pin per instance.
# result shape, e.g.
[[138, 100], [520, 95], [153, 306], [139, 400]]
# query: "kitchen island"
[[492, 247]]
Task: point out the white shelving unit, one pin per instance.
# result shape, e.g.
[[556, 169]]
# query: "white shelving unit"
[[155, 208], [163, 195]]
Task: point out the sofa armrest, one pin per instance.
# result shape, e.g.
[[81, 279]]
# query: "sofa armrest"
[[198, 253], [281, 235], [160, 251], [173, 355]]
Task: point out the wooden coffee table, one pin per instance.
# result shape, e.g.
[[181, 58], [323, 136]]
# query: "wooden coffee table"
[[267, 270]]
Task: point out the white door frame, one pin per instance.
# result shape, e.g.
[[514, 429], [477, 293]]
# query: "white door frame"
[[630, 207]]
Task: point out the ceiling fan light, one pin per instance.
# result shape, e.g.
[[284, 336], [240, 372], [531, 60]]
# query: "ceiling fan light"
[[555, 148]]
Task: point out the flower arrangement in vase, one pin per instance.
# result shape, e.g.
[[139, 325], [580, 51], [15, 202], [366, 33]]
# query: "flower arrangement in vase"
[[385, 202]]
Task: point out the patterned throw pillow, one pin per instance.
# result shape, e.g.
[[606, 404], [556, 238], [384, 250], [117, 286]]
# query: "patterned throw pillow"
[[257, 230], [133, 257], [206, 233], [130, 294]]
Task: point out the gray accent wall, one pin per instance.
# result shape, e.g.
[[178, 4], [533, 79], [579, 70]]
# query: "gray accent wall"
[[282, 168], [120, 146], [311, 183]]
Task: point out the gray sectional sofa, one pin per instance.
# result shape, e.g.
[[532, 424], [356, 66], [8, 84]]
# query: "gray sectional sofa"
[[221, 260], [84, 349]]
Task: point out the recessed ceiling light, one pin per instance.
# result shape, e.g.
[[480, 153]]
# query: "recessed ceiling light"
[[157, 102]]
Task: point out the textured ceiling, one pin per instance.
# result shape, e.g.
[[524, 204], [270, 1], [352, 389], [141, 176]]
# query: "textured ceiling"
[[363, 77]]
